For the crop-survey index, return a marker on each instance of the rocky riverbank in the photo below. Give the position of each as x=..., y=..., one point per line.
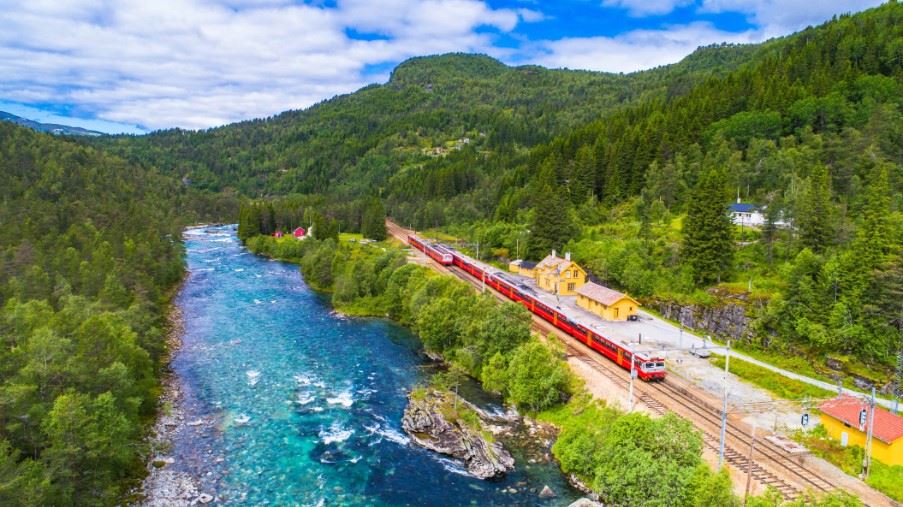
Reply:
x=164, y=487
x=447, y=424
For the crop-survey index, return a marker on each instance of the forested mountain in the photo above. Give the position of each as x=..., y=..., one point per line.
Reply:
x=354, y=143
x=812, y=128
x=809, y=126
x=53, y=128
x=90, y=251
x=632, y=173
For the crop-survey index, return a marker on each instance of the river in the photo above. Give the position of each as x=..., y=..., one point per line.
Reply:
x=287, y=403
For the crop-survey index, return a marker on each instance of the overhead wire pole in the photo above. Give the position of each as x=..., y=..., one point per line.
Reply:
x=632, y=375
x=867, y=459
x=727, y=362
x=749, y=464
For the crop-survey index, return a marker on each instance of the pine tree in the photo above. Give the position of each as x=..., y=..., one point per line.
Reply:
x=550, y=227
x=815, y=214
x=708, y=244
x=873, y=234
x=583, y=176
x=373, y=222
x=770, y=231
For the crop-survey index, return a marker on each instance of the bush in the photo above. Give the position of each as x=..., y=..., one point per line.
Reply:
x=536, y=378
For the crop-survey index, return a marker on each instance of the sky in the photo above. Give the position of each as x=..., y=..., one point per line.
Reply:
x=139, y=65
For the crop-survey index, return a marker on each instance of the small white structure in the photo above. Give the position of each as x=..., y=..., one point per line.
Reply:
x=745, y=214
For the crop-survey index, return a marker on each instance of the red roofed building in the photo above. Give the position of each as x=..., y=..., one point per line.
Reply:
x=841, y=419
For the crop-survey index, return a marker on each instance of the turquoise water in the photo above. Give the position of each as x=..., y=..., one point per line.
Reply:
x=290, y=404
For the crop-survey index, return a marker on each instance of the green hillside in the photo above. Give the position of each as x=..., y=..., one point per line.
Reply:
x=354, y=143
x=632, y=173
x=808, y=126
x=89, y=257
x=812, y=128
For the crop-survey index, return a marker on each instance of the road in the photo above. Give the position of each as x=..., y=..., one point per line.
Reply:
x=670, y=335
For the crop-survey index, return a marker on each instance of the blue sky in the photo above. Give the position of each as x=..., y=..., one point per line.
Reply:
x=135, y=65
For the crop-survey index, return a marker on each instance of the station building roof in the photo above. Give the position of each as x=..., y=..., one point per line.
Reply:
x=601, y=294
x=888, y=427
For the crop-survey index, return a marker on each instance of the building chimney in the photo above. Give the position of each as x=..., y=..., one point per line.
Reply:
x=567, y=256
x=553, y=253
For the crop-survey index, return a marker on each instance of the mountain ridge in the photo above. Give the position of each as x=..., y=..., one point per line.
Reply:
x=52, y=128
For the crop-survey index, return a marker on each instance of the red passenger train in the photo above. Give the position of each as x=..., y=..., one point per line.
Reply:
x=647, y=367
x=436, y=252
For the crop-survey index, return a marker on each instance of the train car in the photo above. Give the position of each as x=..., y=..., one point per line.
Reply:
x=436, y=252
x=442, y=255
x=647, y=367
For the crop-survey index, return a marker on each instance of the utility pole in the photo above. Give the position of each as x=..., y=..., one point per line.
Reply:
x=867, y=460
x=898, y=381
x=727, y=362
x=749, y=464
x=630, y=389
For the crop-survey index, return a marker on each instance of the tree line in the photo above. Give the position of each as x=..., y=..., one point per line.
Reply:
x=90, y=252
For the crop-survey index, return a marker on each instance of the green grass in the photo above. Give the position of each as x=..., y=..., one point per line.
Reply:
x=802, y=362
x=348, y=236
x=887, y=479
x=370, y=306
x=418, y=393
x=580, y=410
x=775, y=383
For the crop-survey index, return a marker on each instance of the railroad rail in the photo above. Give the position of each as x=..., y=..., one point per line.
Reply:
x=669, y=396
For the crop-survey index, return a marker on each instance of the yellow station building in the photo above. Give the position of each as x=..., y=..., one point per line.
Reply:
x=606, y=303
x=523, y=268
x=558, y=275
x=840, y=417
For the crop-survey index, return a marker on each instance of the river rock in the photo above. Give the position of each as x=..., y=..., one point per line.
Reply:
x=425, y=422
x=205, y=498
x=585, y=502
x=546, y=492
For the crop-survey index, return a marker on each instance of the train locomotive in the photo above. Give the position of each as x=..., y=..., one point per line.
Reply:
x=646, y=367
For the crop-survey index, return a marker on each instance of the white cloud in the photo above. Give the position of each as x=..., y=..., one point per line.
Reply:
x=780, y=17
x=639, y=8
x=530, y=15
x=635, y=50
x=200, y=63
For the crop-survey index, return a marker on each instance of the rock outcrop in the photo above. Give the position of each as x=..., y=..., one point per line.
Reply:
x=730, y=316
x=433, y=421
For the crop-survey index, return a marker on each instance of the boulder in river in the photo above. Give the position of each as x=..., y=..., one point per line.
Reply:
x=546, y=492
x=435, y=420
x=585, y=502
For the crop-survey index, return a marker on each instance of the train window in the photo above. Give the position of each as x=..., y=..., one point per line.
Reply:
x=660, y=365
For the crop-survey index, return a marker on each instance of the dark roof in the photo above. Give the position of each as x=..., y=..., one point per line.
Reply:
x=601, y=293
x=888, y=427
x=527, y=264
x=743, y=207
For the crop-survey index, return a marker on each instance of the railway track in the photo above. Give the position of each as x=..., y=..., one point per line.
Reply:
x=770, y=464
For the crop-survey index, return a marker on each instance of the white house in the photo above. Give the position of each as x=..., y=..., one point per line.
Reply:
x=746, y=214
